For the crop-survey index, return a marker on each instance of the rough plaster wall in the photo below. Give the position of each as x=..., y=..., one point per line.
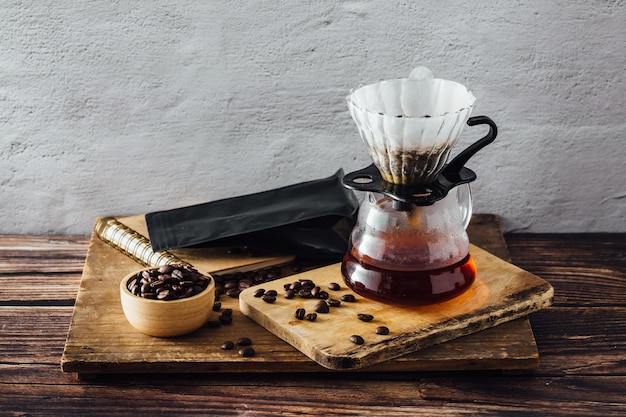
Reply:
x=116, y=108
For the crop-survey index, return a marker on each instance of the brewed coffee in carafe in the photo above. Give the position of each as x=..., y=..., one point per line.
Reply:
x=410, y=245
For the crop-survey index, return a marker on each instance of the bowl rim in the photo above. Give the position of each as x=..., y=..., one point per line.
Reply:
x=124, y=288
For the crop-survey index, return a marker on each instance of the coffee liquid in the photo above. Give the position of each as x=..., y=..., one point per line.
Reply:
x=407, y=288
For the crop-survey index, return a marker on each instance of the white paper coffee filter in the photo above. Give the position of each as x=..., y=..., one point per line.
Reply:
x=410, y=125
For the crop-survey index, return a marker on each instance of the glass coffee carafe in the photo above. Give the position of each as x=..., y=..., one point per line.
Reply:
x=410, y=245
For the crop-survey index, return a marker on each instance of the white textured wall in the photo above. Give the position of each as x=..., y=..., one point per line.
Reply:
x=110, y=108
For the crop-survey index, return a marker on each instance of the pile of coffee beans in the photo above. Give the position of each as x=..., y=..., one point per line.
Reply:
x=168, y=282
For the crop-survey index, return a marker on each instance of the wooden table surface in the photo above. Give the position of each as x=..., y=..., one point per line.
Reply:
x=581, y=341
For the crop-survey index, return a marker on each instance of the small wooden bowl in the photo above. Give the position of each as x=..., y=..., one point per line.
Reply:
x=166, y=318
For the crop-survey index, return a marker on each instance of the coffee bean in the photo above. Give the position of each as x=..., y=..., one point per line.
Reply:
x=311, y=317
x=244, y=341
x=365, y=317
x=271, y=299
x=225, y=319
x=165, y=269
x=163, y=294
x=295, y=286
x=321, y=307
x=227, y=312
x=247, y=352
x=383, y=330
x=300, y=313
x=334, y=286
x=315, y=291
x=333, y=302
x=233, y=293
x=289, y=294
x=349, y=298
x=217, y=306
x=244, y=284
x=228, y=345
x=322, y=295
x=259, y=293
x=271, y=293
x=356, y=339
x=304, y=293
x=307, y=283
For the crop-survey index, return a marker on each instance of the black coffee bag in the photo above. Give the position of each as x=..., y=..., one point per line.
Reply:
x=312, y=219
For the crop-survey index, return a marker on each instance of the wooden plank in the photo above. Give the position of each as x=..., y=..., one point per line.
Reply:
x=42, y=254
x=595, y=264
x=101, y=340
x=502, y=292
x=33, y=335
x=323, y=394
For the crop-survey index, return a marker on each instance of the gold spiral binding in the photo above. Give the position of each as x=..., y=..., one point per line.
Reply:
x=133, y=244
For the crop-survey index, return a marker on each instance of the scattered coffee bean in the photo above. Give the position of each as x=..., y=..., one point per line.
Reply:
x=168, y=282
x=217, y=306
x=289, y=294
x=356, y=339
x=228, y=345
x=383, y=330
x=244, y=341
x=365, y=317
x=323, y=295
x=227, y=312
x=311, y=317
x=349, y=298
x=271, y=293
x=321, y=307
x=315, y=291
x=304, y=293
x=300, y=314
x=233, y=293
x=247, y=352
x=307, y=283
x=231, y=285
x=295, y=286
x=333, y=302
x=333, y=286
x=244, y=284
x=271, y=299
x=225, y=319
x=259, y=293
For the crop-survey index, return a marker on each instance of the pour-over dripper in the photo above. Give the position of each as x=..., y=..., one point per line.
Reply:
x=410, y=124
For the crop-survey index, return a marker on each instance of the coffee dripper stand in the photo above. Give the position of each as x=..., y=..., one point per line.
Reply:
x=398, y=221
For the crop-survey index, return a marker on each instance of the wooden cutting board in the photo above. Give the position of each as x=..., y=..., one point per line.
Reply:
x=502, y=292
x=101, y=341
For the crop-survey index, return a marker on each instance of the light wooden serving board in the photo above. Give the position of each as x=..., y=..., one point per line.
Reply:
x=101, y=341
x=502, y=292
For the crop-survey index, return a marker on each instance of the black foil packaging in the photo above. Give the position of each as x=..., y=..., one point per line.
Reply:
x=311, y=219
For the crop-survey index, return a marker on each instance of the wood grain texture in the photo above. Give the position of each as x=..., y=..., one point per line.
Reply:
x=580, y=338
x=100, y=339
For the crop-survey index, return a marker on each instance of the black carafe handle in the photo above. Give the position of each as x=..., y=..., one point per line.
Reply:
x=453, y=168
